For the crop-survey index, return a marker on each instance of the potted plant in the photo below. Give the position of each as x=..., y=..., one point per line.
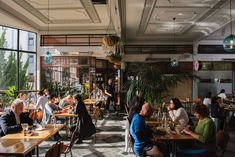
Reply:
x=152, y=84
x=111, y=40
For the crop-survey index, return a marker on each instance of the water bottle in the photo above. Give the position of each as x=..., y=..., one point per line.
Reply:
x=164, y=120
x=159, y=115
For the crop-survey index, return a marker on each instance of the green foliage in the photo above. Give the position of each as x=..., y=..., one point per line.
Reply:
x=2, y=41
x=153, y=84
x=10, y=95
x=8, y=69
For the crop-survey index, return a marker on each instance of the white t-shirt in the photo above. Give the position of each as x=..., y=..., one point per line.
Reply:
x=222, y=95
x=207, y=101
x=180, y=116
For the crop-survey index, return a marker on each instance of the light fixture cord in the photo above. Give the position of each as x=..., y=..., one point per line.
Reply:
x=231, y=22
x=174, y=35
x=48, y=12
x=109, y=26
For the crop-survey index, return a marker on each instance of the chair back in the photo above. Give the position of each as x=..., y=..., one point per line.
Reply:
x=55, y=150
x=39, y=116
x=126, y=109
x=73, y=137
x=96, y=114
x=222, y=138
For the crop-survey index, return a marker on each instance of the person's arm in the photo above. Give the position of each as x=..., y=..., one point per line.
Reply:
x=107, y=93
x=208, y=129
x=7, y=128
x=24, y=118
x=39, y=102
x=175, y=115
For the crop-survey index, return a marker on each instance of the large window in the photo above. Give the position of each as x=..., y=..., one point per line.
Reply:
x=17, y=59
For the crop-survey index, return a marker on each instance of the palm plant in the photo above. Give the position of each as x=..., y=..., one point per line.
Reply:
x=153, y=84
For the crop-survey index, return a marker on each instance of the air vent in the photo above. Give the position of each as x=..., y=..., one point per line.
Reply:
x=99, y=1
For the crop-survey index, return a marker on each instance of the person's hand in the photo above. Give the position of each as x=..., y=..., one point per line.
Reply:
x=64, y=110
x=187, y=131
x=168, y=108
x=163, y=104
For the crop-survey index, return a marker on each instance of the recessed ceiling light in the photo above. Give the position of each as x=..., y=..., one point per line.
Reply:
x=180, y=14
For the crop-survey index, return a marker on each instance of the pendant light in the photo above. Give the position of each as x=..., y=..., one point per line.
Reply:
x=174, y=62
x=47, y=53
x=229, y=41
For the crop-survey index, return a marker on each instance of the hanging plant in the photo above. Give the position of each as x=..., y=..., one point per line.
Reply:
x=115, y=58
x=111, y=40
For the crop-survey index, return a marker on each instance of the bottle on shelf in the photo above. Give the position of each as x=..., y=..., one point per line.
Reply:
x=159, y=115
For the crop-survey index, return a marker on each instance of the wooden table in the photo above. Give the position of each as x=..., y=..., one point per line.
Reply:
x=231, y=108
x=19, y=145
x=68, y=119
x=153, y=122
x=89, y=102
x=173, y=138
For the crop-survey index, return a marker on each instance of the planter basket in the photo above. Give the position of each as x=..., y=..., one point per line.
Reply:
x=110, y=40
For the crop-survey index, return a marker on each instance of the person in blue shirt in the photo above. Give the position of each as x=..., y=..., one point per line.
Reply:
x=141, y=134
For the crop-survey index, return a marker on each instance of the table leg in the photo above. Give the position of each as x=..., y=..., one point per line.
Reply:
x=37, y=151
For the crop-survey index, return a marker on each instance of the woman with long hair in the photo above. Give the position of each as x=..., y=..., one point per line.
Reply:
x=84, y=122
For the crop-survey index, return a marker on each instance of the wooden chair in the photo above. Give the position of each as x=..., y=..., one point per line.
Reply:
x=95, y=116
x=126, y=109
x=68, y=148
x=55, y=150
x=39, y=116
x=222, y=138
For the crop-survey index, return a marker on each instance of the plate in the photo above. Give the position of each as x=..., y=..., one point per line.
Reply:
x=40, y=129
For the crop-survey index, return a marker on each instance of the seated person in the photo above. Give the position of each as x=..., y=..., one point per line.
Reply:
x=23, y=97
x=100, y=96
x=205, y=130
x=66, y=102
x=50, y=108
x=207, y=99
x=222, y=95
x=10, y=121
x=178, y=114
x=141, y=134
x=135, y=106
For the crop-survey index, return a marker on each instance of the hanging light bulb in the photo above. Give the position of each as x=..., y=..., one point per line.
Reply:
x=47, y=53
x=229, y=41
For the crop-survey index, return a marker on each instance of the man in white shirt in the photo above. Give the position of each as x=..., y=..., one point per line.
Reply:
x=42, y=100
x=222, y=95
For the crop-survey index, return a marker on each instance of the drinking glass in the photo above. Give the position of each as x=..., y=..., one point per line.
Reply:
x=25, y=127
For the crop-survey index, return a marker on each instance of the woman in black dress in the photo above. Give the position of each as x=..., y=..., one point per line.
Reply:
x=85, y=127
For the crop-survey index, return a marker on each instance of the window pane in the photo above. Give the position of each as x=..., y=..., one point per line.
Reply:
x=27, y=41
x=8, y=38
x=7, y=69
x=27, y=71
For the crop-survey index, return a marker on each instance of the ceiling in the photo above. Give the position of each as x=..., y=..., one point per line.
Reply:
x=139, y=21
x=151, y=21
